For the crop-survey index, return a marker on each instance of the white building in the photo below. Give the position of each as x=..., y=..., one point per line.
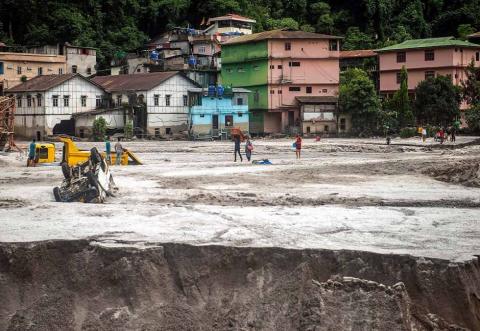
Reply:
x=45, y=104
x=159, y=100
x=229, y=24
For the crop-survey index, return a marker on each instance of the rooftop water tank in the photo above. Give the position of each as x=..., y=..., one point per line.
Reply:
x=211, y=90
x=220, y=90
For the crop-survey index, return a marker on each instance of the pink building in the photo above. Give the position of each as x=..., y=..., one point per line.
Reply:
x=424, y=58
x=294, y=78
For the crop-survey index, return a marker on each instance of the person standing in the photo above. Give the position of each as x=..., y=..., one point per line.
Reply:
x=424, y=134
x=108, y=150
x=452, y=134
x=236, y=139
x=118, y=151
x=32, y=151
x=298, y=146
x=248, y=149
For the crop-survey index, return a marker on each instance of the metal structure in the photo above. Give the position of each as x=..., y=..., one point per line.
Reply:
x=7, y=123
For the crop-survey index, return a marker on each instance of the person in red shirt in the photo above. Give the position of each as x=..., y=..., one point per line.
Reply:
x=298, y=146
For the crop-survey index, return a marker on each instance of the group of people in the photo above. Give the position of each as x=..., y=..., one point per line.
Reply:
x=118, y=151
x=441, y=135
x=297, y=145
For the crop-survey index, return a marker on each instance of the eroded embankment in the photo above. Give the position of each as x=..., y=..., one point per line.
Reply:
x=73, y=285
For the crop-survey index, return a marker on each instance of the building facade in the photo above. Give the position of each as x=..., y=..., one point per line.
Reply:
x=157, y=102
x=424, y=58
x=16, y=68
x=278, y=67
x=46, y=104
x=214, y=115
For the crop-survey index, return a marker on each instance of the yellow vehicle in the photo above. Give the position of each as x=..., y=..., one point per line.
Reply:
x=74, y=156
x=45, y=153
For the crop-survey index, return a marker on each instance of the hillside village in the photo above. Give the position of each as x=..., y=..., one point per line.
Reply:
x=273, y=82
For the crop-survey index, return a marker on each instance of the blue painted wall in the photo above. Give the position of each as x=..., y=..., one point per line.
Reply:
x=226, y=105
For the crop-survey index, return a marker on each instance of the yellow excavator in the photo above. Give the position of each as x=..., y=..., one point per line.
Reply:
x=71, y=155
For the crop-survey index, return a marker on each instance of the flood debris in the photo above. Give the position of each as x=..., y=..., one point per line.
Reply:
x=90, y=182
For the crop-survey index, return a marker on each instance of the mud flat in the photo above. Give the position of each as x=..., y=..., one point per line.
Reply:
x=355, y=236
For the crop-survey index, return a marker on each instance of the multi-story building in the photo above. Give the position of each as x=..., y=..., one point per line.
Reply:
x=228, y=26
x=46, y=103
x=280, y=66
x=158, y=100
x=16, y=68
x=80, y=60
x=214, y=114
x=424, y=58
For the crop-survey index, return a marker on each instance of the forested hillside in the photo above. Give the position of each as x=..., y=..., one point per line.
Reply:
x=114, y=25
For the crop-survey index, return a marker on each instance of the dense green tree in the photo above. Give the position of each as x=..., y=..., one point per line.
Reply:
x=472, y=115
x=470, y=87
x=437, y=101
x=464, y=30
x=401, y=103
x=355, y=39
x=357, y=96
x=282, y=23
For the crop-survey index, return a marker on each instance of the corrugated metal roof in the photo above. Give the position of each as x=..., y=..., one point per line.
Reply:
x=429, y=43
x=41, y=83
x=474, y=35
x=278, y=34
x=233, y=17
x=133, y=82
x=357, y=53
x=317, y=99
x=205, y=90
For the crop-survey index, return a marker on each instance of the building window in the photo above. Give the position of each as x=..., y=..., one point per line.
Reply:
x=326, y=128
x=202, y=49
x=401, y=57
x=478, y=56
x=83, y=101
x=343, y=124
x=239, y=101
x=324, y=90
x=279, y=66
x=19, y=70
x=66, y=100
x=240, y=114
x=89, y=71
x=429, y=74
x=19, y=102
x=55, y=100
x=429, y=55
x=294, y=64
x=399, y=77
x=119, y=100
x=40, y=71
x=272, y=91
x=309, y=89
x=288, y=46
x=157, y=132
x=98, y=101
x=60, y=71
x=1, y=68
x=39, y=100
x=294, y=89
x=228, y=120
x=156, y=99
x=272, y=66
x=74, y=69
x=185, y=100
x=333, y=45
x=256, y=97
x=29, y=101
x=279, y=92
x=167, y=100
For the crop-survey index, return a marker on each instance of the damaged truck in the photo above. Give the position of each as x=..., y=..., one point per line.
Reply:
x=89, y=182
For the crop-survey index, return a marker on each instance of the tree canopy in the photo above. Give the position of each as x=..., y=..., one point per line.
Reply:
x=124, y=25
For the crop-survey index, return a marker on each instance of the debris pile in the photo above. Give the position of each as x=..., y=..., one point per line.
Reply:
x=465, y=172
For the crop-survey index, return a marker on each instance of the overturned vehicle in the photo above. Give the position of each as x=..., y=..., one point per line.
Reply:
x=89, y=182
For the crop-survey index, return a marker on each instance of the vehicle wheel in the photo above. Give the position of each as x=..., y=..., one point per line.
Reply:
x=66, y=171
x=90, y=195
x=56, y=194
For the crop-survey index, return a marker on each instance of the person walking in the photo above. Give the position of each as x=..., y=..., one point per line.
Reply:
x=119, y=152
x=248, y=149
x=298, y=146
x=32, y=151
x=424, y=134
x=236, y=139
x=452, y=134
x=108, y=150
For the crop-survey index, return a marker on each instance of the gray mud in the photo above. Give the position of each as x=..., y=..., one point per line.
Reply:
x=74, y=285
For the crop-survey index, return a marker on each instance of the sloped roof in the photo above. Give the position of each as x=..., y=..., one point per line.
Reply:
x=474, y=35
x=42, y=83
x=278, y=34
x=133, y=82
x=429, y=43
x=233, y=17
x=357, y=53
